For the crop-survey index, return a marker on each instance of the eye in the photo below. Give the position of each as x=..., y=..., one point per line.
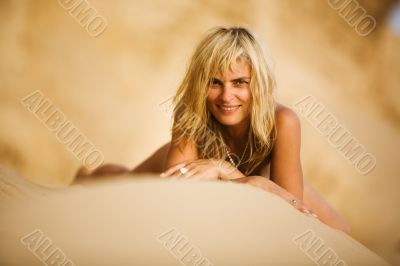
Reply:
x=239, y=83
x=216, y=82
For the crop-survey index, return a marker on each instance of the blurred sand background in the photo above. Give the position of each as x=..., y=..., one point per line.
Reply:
x=111, y=86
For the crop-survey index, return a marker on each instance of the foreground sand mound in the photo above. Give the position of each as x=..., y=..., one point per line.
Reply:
x=152, y=221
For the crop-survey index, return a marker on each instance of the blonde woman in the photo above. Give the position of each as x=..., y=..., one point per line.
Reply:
x=227, y=126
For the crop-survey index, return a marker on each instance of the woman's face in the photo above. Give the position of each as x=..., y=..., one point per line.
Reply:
x=229, y=95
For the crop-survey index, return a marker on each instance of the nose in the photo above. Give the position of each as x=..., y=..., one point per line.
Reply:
x=226, y=94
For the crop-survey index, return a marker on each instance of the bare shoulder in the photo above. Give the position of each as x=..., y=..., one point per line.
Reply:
x=288, y=135
x=286, y=118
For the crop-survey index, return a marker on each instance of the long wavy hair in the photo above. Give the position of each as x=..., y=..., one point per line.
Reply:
x=217, y=52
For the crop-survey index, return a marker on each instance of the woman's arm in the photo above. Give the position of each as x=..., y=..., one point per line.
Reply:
x=178, y=154
x=153, y=164
x=285, y=169
x=323, y=209
x=84, y=173
x=267, y=185
x=313, y=202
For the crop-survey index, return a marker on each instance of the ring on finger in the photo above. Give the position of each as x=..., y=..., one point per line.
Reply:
x=183, y=170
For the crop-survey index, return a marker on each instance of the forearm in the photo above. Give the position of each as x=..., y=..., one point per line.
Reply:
x=267, y=185
x=107, y=169
x=323, y=209
x=228, y=171
x=312, y=201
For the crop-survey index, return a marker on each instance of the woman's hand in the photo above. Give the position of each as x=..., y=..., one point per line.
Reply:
x=203, y=169
x=268, y=185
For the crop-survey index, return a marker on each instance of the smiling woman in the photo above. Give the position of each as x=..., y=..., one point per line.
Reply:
x=228, y=87
x=228, y=126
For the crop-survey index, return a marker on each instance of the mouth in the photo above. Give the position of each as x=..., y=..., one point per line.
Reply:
x=228, y=109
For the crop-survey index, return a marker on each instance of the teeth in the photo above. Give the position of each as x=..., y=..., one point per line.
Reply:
x=229, y=108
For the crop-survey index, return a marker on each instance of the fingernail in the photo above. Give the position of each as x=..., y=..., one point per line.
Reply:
x=162, y=174
x=313, y=214
x=306, y=211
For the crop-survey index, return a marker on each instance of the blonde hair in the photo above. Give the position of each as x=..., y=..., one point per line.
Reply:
x=218, y=51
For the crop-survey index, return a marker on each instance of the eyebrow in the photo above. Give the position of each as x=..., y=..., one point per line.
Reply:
x=236, y=79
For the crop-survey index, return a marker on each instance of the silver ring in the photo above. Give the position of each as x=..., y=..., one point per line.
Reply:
x=294, y=202
x=183, y=170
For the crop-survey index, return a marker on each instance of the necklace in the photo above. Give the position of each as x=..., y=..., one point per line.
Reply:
x=230, y=157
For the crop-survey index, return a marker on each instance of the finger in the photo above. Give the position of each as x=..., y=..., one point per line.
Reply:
x=178, y=175
x=300, y=206
x=310, y=213
x=197, y=176
x=192, y=170
x=192, y=174
x=204, y=175
x=173, y=169
x=175, y=175
x=176, y=169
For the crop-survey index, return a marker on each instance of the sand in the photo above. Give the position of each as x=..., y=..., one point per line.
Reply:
x=144, y=220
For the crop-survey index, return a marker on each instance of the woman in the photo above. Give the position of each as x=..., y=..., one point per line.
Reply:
x=227, y=126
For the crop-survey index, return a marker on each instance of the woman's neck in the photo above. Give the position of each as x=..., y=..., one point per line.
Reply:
x=236, y=135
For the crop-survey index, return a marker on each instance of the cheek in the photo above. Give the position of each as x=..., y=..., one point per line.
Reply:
x=245, y=97
x=212, y=96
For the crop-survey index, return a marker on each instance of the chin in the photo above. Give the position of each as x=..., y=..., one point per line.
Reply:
x=229, y=121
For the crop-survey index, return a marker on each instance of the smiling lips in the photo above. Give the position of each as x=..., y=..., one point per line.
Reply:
x=228, y=109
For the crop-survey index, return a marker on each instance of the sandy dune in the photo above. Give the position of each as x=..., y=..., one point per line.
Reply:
x=144, y=220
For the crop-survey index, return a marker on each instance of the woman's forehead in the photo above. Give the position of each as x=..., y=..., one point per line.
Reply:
x=240, y=68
